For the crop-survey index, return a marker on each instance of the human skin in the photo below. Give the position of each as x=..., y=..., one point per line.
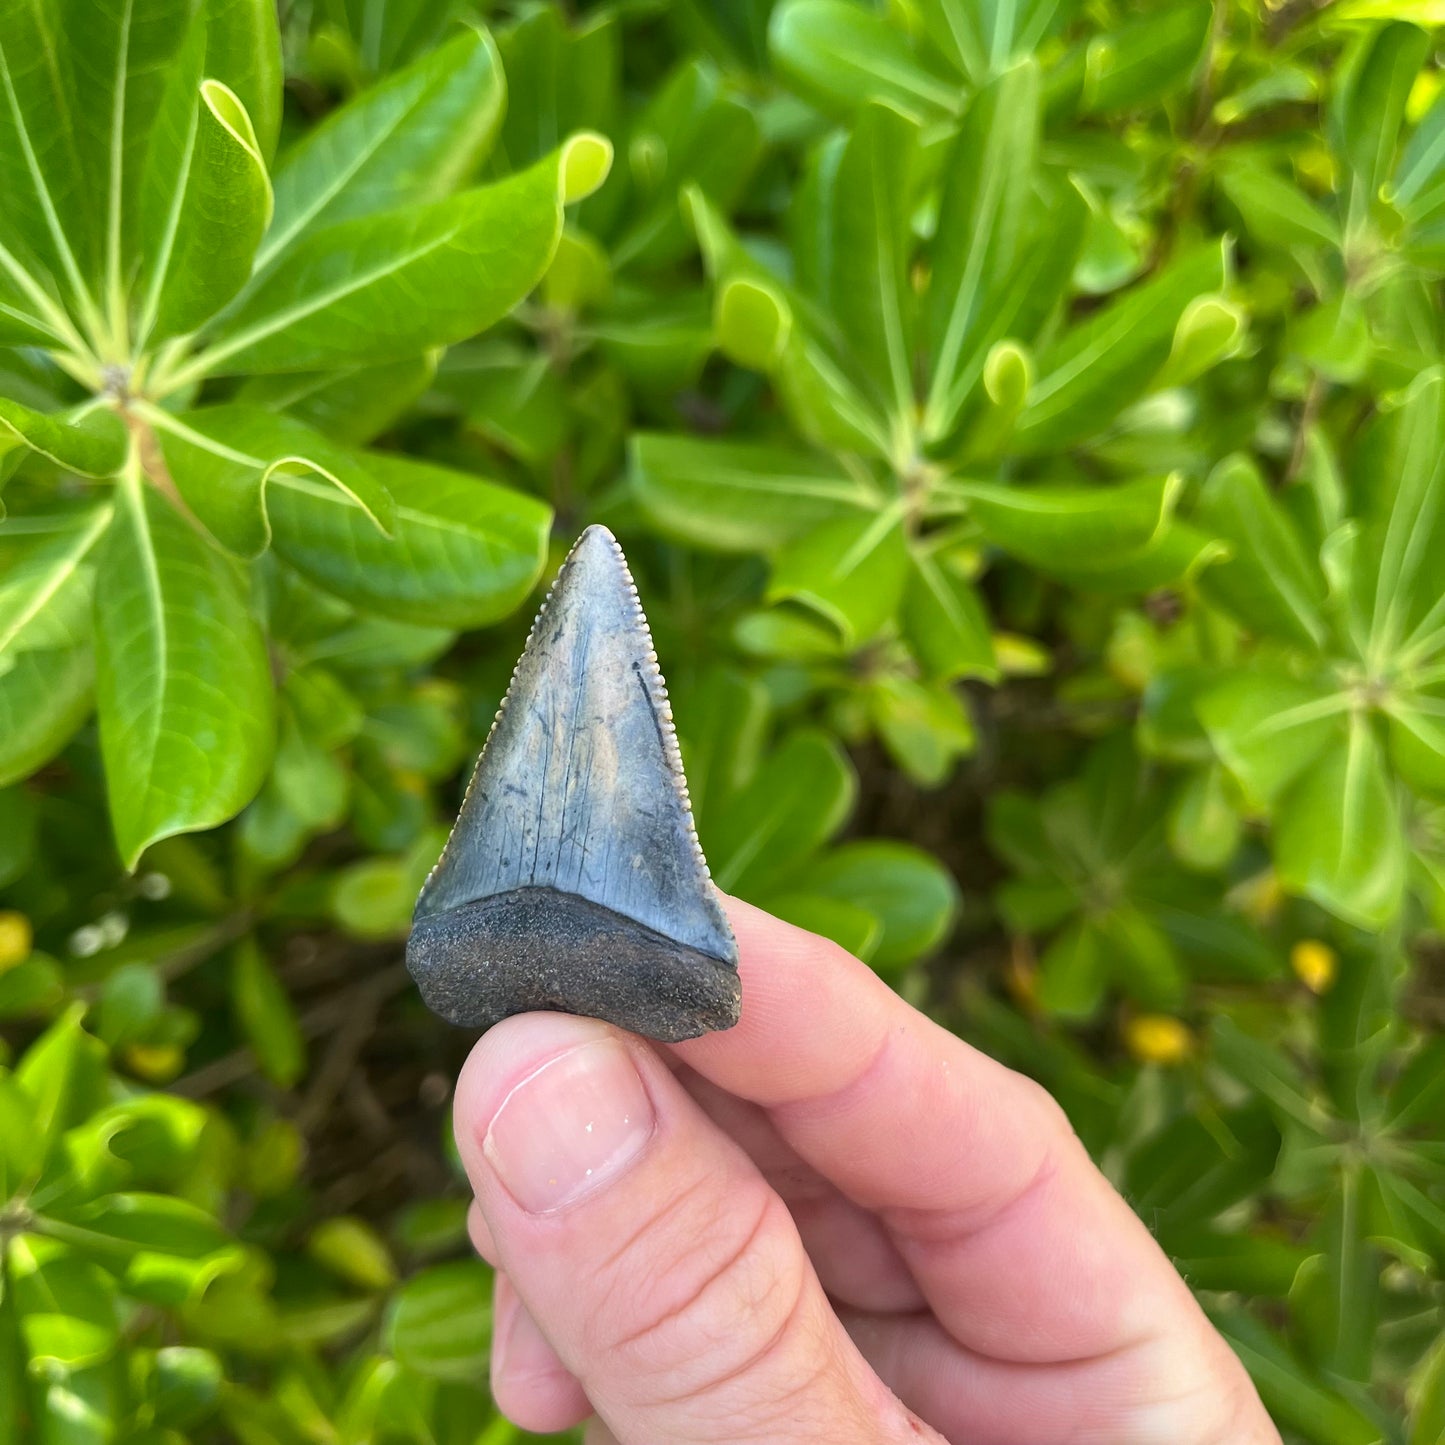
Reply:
x=835, y=1222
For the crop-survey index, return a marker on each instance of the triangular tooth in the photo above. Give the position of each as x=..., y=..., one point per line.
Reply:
x=579, y=793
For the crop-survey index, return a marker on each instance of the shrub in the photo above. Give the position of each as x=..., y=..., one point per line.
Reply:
x=1027, y=427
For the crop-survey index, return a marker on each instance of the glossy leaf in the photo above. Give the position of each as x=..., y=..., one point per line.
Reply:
x=408, y=140
x=794, y=804
x=183, y=684
x=380, y=287
x=987, y=185
x=208, y=200
x=1051, y=525
x=1144, y=58
x=1267, y=581
x=1338, y=838
x=462, y=552
x=1105, y=361
x=740, y=496
x=911, y=896
x=1270, y=728
x=440, y=1322
x=266, y=1016
x=983, y=37
x=93, y=445
x=851, y=570
x=945, y=621
x=226, y=461
x=859, y=195
x=840, y=54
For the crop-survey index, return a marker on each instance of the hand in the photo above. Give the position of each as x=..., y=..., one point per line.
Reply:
x=834, y=1222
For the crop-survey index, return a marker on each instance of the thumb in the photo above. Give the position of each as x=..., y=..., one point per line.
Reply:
x=666, y=1274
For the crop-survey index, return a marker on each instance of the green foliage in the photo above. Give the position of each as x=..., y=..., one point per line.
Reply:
x=1026, y=424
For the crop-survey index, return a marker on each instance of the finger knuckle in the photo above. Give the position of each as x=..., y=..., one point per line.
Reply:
x=709, y=1294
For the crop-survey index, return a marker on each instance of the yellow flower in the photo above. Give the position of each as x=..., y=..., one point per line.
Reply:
x=15, y=939
x=156, y=1063
x=1158, y=1039
x=1315, y=964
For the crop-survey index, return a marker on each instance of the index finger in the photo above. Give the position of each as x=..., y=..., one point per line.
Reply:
x=1020, y=1245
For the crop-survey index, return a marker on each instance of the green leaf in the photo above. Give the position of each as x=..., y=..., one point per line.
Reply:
x=1290, y=1391
x=63, y=1072
x=1074, y=972
x=795, y=803
x=848, y=924
x=440, y=1322
x=463, y=553
x=1337, y=833
x=46, y=575
x=1275, y=211
x=693, y=136
x=227, y=462
x=850, y=570
x=17, y=834
x=1142, y=957
x=382, y=287
x=20, y=1154
x=1418, y=190
x=982, y=37
x=1400, y=483
x=130, y=1224
x=132, y=1000
x=909, y=892
x=720, y=722
x=69, y=1313
x=1056, y=525
x=45, y=695
x=945, y=621
x=1268, y=580
x=1191, y=1171
x=1337, y=1296
x=268, y=1022
x=987, y=183
x=925, y=726
x=50, y=214
x=208, y=201
x=740, y=496
x=854, y=248
x=1426, y=1394
x=1103, y=363
x=1143, y=59
x=350, y=406
x=183, y=682
x=1268, y=728
x=243, y=50
x=1204, y=824
x=840, y=54
x=753, y=323
x=354, y=1251
x=409, y=140
x=94, y=445
x=1369, y=104
x=185, y=1386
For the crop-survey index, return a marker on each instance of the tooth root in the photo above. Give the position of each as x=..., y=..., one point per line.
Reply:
x=573, y=878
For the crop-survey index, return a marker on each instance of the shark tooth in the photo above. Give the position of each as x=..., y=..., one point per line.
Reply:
x=573, y=878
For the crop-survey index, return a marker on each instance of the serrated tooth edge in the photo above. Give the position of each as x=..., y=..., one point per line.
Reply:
x=670, y=747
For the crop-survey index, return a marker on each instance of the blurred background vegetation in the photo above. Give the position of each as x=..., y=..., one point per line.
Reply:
x=1026, y=424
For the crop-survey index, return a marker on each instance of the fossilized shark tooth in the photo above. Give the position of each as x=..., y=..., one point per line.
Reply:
x=573, y=878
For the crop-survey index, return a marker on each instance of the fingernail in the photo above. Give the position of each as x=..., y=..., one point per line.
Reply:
x=568, y=1128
